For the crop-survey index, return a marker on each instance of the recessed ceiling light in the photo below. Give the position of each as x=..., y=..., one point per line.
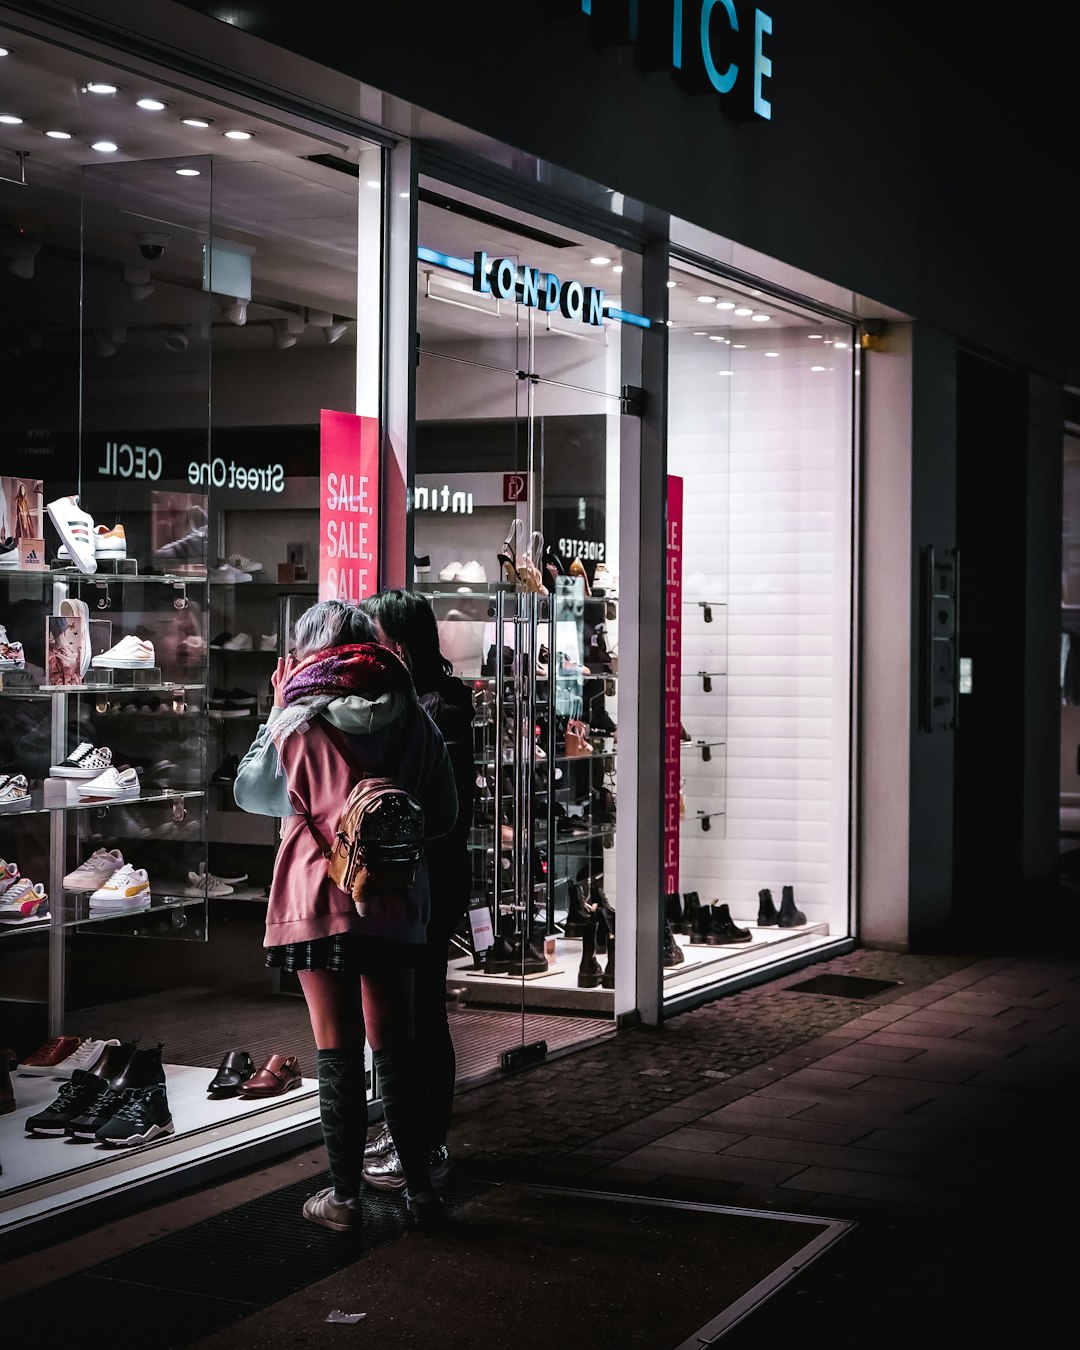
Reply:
x=189, y=173
x=5, y=51
x=671, y=323
x=716, y=337
x=59, y=135
x=101, y=87
x=723, y=372
x=815, y=337
x=706, y=299
x=201, y=122
x=403, y=194
x=738, y=346
x=672, y=284
x=104, y=147
x=840, y=346
x=600, y=260
x=151, y=104
x=772, y=353
x=10, y=120
x=700, y=332
x=725, y=304
x=617, y=267
x=817, y=367
x=743, y=311
x=238, y=135
x=761, y=318
x=372, y=183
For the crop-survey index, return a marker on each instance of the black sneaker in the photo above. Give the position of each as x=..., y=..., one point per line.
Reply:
x=101, y=1107
x=143, y=1115
x=220, y=640
x=70, y=1102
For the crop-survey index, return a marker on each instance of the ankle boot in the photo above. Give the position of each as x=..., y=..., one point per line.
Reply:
x=789, y=916
x=767, y=916
x=578, y=915
x=702, y=926
x=528, y=956
x=589, y=973
x=608, y=982
x=497, y=960
x=605, y=929
x=724, y=931
x=691, y=909
x=673, y=953
x=673, y=911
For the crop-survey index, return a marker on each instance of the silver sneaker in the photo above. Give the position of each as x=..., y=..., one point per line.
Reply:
x=323, y=1209
x=387, y=1174
x=380, y=1145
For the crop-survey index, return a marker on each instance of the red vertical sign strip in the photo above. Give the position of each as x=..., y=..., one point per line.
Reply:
x=348, y=505
x=673, y=684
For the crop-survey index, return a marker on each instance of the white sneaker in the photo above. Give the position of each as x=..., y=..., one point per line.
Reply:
x=240, y=643
x=87, y=1055
x=110, y=542
x=130, y=653
x=9, y=552
x=127, y=888
x=451, y=572
x=113, y=782
x=76, y=528
x=229, y=881
x=206, y=884
x=228, y=573
x=243, y=564
x=79, y=609
x=23, y=902
x=85, y=761
x=95, y=871
x=11, y=653
x=9, y=875
x=268, y=642
x=472, y=572
x=13, y=788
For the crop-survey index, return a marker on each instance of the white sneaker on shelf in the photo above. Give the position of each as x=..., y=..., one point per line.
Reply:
x=76, y=528
x=79, y=609
x=206, y=884
x=229, y=881
x=130, y=653
x=23, y=902
x=243, y=564
x=451, y=572
x=240, y=643
x=95, y=871
x=127, y=888
x=472, y=572
x=9, y=875
x=268, y=642
x=87, y=1055
x=12, y=656
x=110, y=542
x=113, y=782
x=9, y=552
x=13, y=788
x=85, y=761
x=227, y=573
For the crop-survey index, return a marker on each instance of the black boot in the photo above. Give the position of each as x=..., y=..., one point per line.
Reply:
x=589, y=973
x=789, y=916
x=608, y=982
x=691, y=909
x=673, y=953
x=499, y=954
x=724, y=931
x=673, y=911
x=702, y=926
x=528, y=956
x=767, y=916
x=579, y=915
x=605, y=929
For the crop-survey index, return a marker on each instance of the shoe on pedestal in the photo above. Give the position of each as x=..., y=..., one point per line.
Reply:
x=527, y=956
x=724, y=931
x=579, y=914
x=789, y=916
x=767, y=916
x=589, y=973
x=499, y=954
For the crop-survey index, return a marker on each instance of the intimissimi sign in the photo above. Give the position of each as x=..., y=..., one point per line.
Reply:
x=717, y=46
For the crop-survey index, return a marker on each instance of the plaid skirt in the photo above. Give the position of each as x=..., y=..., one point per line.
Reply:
x=345, y=954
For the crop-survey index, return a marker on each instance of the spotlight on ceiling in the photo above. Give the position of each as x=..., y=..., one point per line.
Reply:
x=334, y=331
x=236, y=313
x=287, y=331
x=137, y=280
x=177, y=340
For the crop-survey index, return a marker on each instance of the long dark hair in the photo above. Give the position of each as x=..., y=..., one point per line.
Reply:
x=409, y=620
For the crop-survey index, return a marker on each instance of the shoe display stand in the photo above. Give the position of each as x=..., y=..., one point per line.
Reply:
x=703, y=965
x=703, y=697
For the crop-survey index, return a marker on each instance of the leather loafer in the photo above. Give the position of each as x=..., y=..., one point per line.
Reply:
x=279, y=1074
x=236, y=1068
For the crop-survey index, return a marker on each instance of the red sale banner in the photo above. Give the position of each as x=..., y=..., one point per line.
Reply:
x=673, y=684
x=348, y=505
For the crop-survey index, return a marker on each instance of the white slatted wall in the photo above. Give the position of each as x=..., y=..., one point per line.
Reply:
x=767, y=462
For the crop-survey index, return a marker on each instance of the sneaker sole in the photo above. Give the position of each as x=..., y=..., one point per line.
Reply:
x=394, y=1183
x=133, y=1140
x=49, y=1130
x=99, y=663
x=333, y=1226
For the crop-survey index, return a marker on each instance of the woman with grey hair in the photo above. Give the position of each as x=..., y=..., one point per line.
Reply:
x=345, y=708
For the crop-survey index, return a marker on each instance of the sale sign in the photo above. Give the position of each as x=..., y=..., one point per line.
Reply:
x=348, y=505
x=673, y=684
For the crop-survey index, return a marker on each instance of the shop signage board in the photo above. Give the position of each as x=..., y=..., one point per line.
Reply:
x=348, y=505
x=673, y=683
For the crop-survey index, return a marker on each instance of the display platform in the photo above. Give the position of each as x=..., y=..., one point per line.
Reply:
x=705, y=965
x=45, y=1177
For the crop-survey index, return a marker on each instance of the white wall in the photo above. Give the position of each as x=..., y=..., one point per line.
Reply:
x=766, y=455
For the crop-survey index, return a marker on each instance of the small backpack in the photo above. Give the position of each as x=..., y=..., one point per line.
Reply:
x=378, y=843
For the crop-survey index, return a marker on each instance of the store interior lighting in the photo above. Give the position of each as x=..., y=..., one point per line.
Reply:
x=333, y=331
x=137, y=280
x=236, y=313
x=177, y=340
x=287, y=331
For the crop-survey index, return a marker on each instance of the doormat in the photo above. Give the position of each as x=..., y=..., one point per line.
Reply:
x=844, y=986
x=531, y=1267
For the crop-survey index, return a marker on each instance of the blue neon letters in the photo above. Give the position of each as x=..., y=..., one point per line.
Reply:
x=528, y=286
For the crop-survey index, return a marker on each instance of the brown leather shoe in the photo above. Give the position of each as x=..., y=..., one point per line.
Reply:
x=279, y=1074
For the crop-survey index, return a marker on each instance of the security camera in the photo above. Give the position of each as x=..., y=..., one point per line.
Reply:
x=152, y=246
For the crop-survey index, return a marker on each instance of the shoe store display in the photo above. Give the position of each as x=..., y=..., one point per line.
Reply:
x=113, y=782
x=589, y=973
x=240, y=643
x=127, y=888
x=278, y=1074
x=673, y=909
x=14, y=788
x=191, y=546
x=723, y=931
x=85, y=761
x=143, y=1115
x=110, y=541
x=86, y=1056
x=232, y=703
x=673, y=953
x=226, y=574
x=501, y=952
x=81, y=1091
x=9, y=875
x=12, y=656
x=608, y=980
x=76, y=530
x=243, y=564
x=219, y=642
x=340, y=1216
x=527, y=956
x=208, y=886
x=130, y=653
x=235, y=1069
x=25, y=902
x=268, y=642
x=143, y=1069
x=789, y=916
x=767, y=916
x=46, y=1059
x=691, y=907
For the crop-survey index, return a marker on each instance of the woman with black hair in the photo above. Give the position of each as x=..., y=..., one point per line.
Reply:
x=405, y=622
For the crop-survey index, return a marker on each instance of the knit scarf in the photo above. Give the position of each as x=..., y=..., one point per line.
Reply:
x=365, y=669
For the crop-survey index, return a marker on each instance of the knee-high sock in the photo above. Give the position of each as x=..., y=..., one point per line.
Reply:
x=403, y=1089
x=343, y=1108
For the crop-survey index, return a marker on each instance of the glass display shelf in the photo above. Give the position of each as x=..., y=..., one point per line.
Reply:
x=263, y=587
x=41, y=691
x=106, y=578
x=74, y=911
x=65, y=797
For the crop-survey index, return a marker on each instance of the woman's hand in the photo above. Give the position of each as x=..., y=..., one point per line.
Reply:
x=280, y=678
